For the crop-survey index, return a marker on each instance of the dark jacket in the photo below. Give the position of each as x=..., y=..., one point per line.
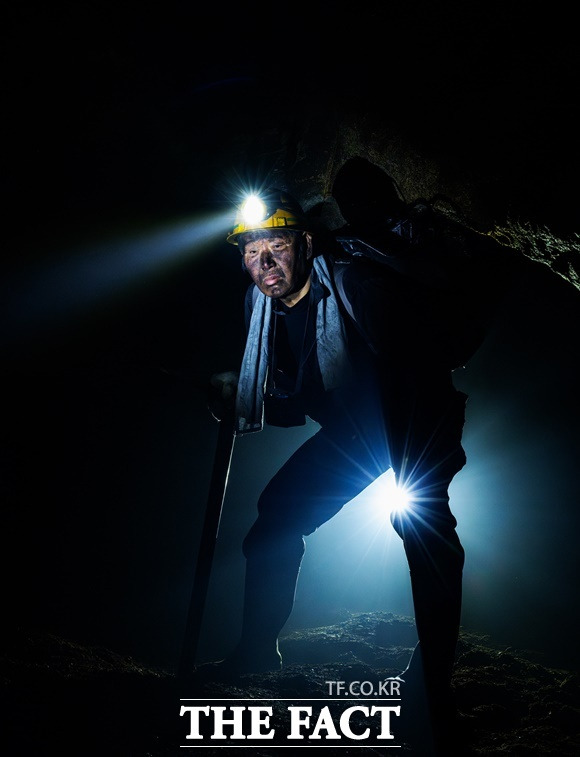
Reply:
x=391, y=344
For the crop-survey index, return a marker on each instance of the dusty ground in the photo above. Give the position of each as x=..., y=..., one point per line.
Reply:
x=61, y=697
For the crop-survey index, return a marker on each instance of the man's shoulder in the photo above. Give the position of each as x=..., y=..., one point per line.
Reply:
x=353, y=271
x=249, y=301
x=250, y=297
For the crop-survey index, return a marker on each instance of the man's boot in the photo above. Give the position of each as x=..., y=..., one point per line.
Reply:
x=269, y=591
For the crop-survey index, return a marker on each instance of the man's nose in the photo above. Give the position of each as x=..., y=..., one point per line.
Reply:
x=266, y=258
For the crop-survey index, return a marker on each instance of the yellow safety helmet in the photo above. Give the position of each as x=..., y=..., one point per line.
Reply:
x=272, y=209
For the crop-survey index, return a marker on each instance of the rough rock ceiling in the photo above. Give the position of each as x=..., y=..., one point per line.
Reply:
x=473, y=102
x=477, y=102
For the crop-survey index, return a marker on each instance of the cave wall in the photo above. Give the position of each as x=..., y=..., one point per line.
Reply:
x=475, y=103
x=112, y=115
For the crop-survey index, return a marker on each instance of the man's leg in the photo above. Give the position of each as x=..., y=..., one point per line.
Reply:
x=435, y=558
x=325, y=473
x=433, y=551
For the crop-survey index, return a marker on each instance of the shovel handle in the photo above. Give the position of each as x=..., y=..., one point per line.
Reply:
x=215, y=500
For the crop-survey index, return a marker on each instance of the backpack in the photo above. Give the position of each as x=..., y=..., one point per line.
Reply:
x=449, y=270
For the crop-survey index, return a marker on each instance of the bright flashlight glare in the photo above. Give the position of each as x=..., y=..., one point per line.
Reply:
x=387, y=497
x=399, y=499
x=253, y=209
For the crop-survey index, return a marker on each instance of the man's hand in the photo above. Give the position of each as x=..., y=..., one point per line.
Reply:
x=222, y=393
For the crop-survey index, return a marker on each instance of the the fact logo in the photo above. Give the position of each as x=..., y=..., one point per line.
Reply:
x=250, y=722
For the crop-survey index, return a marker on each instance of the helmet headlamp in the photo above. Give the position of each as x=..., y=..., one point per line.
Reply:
x=253, y=210
x=272, y=210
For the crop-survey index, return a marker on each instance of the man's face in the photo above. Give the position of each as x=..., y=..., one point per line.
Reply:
x=275, y=265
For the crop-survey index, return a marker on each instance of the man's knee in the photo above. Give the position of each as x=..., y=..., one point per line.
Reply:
x=275, y=540
x=429, y=535
x=432, y=515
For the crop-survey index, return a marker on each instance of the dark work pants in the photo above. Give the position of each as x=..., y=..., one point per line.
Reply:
x=329, y=470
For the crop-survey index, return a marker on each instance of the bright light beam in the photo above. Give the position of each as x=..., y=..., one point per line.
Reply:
x=94, y=274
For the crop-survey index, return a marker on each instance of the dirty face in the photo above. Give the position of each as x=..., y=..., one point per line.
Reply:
x=278, y=263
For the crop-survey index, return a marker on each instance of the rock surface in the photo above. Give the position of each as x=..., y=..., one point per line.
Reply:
x=62, y=697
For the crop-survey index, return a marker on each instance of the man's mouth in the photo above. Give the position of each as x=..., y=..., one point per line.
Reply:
x=272, y=279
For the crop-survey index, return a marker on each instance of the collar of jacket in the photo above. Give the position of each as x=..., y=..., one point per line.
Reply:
x=331, y=348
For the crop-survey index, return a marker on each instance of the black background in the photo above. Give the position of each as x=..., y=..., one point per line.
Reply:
x=120, y=124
